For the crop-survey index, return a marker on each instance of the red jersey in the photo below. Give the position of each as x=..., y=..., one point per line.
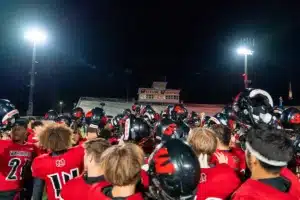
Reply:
x=13, y=158
x=219, y=182
x=253, y=189
x=295, y=184
x=76, y=188
x=56, y=171
x=236, y=158
x=31, y=136
x=103, y=191
x=81, y=141
x=145, y=179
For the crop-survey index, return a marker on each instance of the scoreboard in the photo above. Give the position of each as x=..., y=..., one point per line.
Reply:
x=158, y=94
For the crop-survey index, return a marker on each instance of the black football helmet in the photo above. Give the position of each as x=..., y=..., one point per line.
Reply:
x=218, y=118
x=8, y=114
x=149, y=114
x=167, y=129
x=290, y=118
x=63, y=119
x=136, y=108
x=126, y=112
x=178, y=112
x=51, y=115
x=253, y=106
x=135, y=129
x=117, y=121
x=96, y=117
x=174, y=171
x=229, y=112
x=194, y=119
x=77, y=114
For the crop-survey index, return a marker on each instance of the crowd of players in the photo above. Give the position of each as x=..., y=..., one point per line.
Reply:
x=248, y=151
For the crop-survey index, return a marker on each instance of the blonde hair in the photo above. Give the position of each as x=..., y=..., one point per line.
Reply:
x=56, y=137
x=122, y=164
x=202, y=141
x=96, y=147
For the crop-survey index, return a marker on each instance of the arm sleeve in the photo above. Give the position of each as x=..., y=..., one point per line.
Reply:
x=38, y=189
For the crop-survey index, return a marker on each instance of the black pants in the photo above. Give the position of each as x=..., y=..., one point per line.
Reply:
x=9, y=195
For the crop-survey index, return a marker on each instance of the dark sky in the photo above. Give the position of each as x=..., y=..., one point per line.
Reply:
x=192, y=43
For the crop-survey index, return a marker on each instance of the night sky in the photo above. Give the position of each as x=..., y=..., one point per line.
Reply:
x=92, y=44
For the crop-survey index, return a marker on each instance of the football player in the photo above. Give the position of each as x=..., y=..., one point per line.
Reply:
x=122, y=167
x=204, y=142
x=174, y=171
x=15, y=155
x=36, y=128
x=78, y=187
x=268, y=150
x=55, y=169
x=236, y=156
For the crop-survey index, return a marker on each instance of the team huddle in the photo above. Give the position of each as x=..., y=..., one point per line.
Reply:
x=248, y=151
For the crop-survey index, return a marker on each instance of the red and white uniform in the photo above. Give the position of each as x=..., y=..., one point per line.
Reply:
x=56, y=171
x=218, y=182
x=236, y=159
x=13, y=158
x=256, y=190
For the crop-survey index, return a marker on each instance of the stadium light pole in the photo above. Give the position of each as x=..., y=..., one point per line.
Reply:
x=245, y=51
x=61, y=104
x=35, y=36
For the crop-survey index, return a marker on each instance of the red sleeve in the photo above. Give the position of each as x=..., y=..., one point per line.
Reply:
x=31, y=139
x=295, y=186
x=82, y=141
x=242, y=197
x=241, y=155
x=36, y=168
x=213, y=160
x=145, y=179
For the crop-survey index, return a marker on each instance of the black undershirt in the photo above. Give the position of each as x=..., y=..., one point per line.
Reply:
x=279, y=183
x=107, y=191
x=92, y=180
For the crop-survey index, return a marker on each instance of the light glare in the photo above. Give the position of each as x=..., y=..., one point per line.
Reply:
x=244, y=51
x=35, y=36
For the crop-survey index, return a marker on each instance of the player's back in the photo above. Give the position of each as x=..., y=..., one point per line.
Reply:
x=219, y=181
x=13, y=158
x=234, y=159
x=57, y=170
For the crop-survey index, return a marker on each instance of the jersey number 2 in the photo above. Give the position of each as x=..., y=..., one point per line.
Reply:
x=14, y=163
x=57, y=183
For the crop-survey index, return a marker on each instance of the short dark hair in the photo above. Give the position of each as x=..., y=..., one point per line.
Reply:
x=223, y=133
x=36, y=123
x=21, y=122
x=271, y=143
x=105, y=133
